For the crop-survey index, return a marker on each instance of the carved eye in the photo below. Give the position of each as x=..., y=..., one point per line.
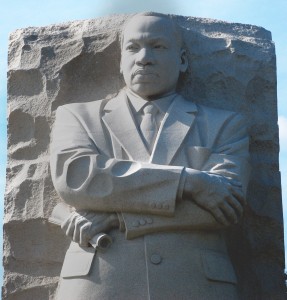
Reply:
x=132, y=47
x=159, y=46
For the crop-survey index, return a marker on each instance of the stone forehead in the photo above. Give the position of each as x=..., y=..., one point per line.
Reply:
x=148, y=21
x=166, y=21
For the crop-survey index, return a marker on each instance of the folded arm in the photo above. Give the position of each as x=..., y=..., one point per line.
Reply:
x=90, y=180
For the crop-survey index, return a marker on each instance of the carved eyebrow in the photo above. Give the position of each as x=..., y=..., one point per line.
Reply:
x=160, y=40
x=134, y=41
x=150, y=40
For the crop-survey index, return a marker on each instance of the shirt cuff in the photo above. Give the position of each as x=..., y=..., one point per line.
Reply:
x=181, y=185
x=122, y=222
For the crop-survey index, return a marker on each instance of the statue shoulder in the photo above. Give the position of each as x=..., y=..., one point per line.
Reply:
x=82, y=107
x=218, y=114
x=85, y=109
x=208, y=114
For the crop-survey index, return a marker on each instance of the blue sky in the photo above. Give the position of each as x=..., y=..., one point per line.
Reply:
x=271, y=15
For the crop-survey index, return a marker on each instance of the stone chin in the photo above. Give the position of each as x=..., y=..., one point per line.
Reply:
x=149, y=89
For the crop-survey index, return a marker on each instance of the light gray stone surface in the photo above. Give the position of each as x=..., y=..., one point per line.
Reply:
x=232, y=66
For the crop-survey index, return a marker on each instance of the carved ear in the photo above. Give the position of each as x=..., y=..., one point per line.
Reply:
x=121, y=64
x=184, y=61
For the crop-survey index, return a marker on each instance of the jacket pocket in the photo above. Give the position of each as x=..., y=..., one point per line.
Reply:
x=78, y=261
x=198, y=156
x=217, y=266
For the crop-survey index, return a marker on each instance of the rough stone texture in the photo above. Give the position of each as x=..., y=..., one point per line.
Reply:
x=232, y=66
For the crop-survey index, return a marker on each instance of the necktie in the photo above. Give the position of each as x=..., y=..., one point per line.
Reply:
x=148, y=125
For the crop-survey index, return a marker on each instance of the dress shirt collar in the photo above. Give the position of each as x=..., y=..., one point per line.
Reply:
x=138, y=103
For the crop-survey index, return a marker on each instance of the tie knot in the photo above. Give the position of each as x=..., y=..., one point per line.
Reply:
x=150, y=109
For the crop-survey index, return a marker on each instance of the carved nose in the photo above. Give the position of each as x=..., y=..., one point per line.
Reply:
x=144, y=57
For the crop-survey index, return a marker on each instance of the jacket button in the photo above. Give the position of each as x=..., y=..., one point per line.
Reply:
x=149, y=220
x=156, y=259
x=135, y=224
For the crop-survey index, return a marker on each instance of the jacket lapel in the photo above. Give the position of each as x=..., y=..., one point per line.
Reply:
x=175, y=126
x=119, y=120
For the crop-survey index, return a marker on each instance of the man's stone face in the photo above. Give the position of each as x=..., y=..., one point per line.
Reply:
x=151, y=57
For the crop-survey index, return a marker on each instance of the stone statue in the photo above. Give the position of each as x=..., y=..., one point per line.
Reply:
x=160, y=175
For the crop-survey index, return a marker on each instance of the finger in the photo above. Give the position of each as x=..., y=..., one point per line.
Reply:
x=97, y=217
x=79, y=223
x=113, y=221
x=71, y=225
x=65, y=224
x=83, y=213
x=98, y=228
x=229, y=212
x=84, y=235
x=234, y=203
x=219, y=216
x=106, y=223
x=238, y=194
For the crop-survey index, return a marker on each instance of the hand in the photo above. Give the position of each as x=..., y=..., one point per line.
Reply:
x=224, y=201
x=83, y=225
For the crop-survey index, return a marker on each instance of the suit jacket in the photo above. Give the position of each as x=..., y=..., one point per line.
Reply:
x=171, y=249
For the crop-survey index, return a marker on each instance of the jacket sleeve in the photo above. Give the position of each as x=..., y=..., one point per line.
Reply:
x=229, y=158
x=188, y=217
x=85, y=178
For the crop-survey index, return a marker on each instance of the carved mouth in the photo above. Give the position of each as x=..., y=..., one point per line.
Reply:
x=143, y=72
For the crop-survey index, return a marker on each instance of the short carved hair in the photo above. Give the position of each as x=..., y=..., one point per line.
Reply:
x=177, y=30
